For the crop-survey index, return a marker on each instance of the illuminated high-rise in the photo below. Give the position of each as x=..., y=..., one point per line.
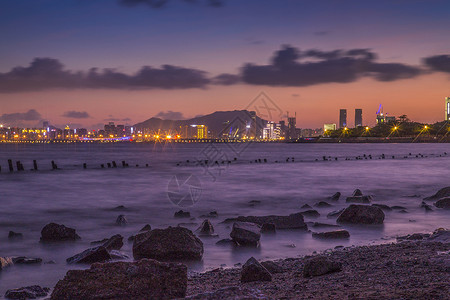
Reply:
x=358, y=117
x=342, y=118
x=447, y=108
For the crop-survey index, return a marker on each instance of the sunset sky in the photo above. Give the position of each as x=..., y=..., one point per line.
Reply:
x=87, y=62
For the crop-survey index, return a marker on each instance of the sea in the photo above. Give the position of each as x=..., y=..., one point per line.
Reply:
x=233, y=179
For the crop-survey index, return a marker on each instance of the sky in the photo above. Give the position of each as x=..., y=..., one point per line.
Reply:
x=86, y=62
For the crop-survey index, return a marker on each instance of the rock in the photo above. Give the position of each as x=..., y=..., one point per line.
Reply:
x=357, y=193
x=182, y=214
x=310, y=213
x=99, y=242
x=147, y=227
x=252, y=270
x=442, y=193
x=206, y=228
x=231, y=292
x=121, y=220
x=116, y=254
x=320, y=225
x=90, y=256
x=415, y=236
x=383, y=207
x=306, y=206
x=143, y=279
x=28, y=292
x=443, y=203
x=15, y=235
x=225, y=242
x=167, y=244
x=322, y=204
x=426, y=206
x=246, y=233
x=114, y=243
x=5, y=262
x=268, y=228
x=440, y=235
x=293, y=221
x=212, y=214
x=120, y=208
x=361, y=214
x=22, y=260
x=336, y=234
x=335, y=213
x=398, y=207
x=272, y=267
x=320, y=265
x=359, y=199
x=54, y=232
x=335, y=197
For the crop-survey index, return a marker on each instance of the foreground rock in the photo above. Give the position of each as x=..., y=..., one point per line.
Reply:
x=231, y=292
x=167, y=244
x=182, y=214
x=443, y=203
x=442, y=193
x=144, y=279
x=320, y=265
x=5, y=262
x=28, y=292
x=246, y=233
x=361, y=214
x=335, y=234
x=293, y=221
x=114, y=243
x=90, y=256
x=55, y=232
x=252, y=270
x=146, y=228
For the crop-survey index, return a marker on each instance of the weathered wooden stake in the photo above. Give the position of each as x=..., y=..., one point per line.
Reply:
x=35, y=165
x=10, y=164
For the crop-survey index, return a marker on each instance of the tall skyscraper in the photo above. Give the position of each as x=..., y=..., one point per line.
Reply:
x=358, y=117
x=292, y=125
x=447, y=108
x=342, y=118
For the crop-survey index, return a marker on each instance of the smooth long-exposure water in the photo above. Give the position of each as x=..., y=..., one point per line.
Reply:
x=85, y=199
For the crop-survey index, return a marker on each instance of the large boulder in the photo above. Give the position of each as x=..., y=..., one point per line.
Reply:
x=293, y=221
x=336, y=234
x=167, y=244
x=443, y=203
x=90, y=256
x=5, y=262
x=252, y=270
x=114, y=243
x=55, y=232
x=336, y=196
x=143, y=279
x=246, y=233
x=28, y=292
x=361, y=214
x=442, y=193
x=320, y=265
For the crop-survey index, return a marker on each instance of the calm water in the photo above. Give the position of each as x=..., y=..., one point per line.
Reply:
x=84, y=199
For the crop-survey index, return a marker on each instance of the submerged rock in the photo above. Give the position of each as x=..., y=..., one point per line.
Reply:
x=246, y=233
x=443, y=203
x=442, y=193
x=358, y=197
x=143, y=229
x=361, y=214
x=54, y=232
x=320, y=265
x=335, y=197
x=225, y=242
x=167, y=244
x=114, y=243
x=182, y=214
x=272, y=267
x=90, y=256
x=322, y=204
x=357, y=193
x=121, y=220
x=440, y=235
x=383, y=207
x=252, y=270
x=268, y=228
x=206, y=228
x=23, y=260
x=143, y=279
x=336, y=234
x=335, y=213
x=293, y=221
x=15, y=235
x=426, y=206
x=306, y=206
x=319, y=225
x=28, y=292
x=310, y=213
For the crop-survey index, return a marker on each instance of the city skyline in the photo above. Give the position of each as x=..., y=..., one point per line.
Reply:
x=322, y=58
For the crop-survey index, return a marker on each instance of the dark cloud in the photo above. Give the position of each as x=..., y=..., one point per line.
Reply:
x=31, y=115
x=162, y=3
x=439, y=63
x=226, y=79
x=47, y=73
x=170, y=115
x=76, y=114
x=112, y=119
x=291, y=67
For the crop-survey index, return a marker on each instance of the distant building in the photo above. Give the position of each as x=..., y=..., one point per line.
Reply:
x=342, y=118
x=447, y=108
x=199, y=132
x=272, y=131
x=329, y=127
x=292, y=123
x=358, y=117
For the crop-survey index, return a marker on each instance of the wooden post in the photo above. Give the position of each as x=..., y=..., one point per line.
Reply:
x=18, y=165
x=109, y=165
x=123, y=164
x=35, y=165
x=10, y=164
x=102, y=165
x=54, y=166
x=84, y=166
x=114, y=164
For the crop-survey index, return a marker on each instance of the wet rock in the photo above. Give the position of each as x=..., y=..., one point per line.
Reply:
x=114, y=243
x=252, y=270
x=15, y=235
x=28, y=292
x=306, y=206
x=321, y=225
x=272, y=267
x=322, y=204
x=121, y=220
x=293, y=221
x=403, y=211
x=426, y=206
x=398, y=207
x=310, y=213
x=54, y=232
x=143, y=279
x=212, y=214
x=246, y=233
x=357, y=193
x=167, y=244
x=100, y=241
x=182, y=214
x=335, y=197
x=225, y=242
x=5, y=262
x=361, y=214
x=440, y=235
x=335, y=213
x=116, y=254
x=320, y=265
x=383, y=207
x=336, y=234
x=442, y=193
x=22, y=260
x=90, y=256
x=443, y=203
x=359, y=199
x=206, y=228
x=120, y=208
x=268, y=228
x=231, y=292
x=147, y=227
x=415, y=236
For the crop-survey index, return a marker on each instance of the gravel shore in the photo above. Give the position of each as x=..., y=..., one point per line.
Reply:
x=410, y=269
